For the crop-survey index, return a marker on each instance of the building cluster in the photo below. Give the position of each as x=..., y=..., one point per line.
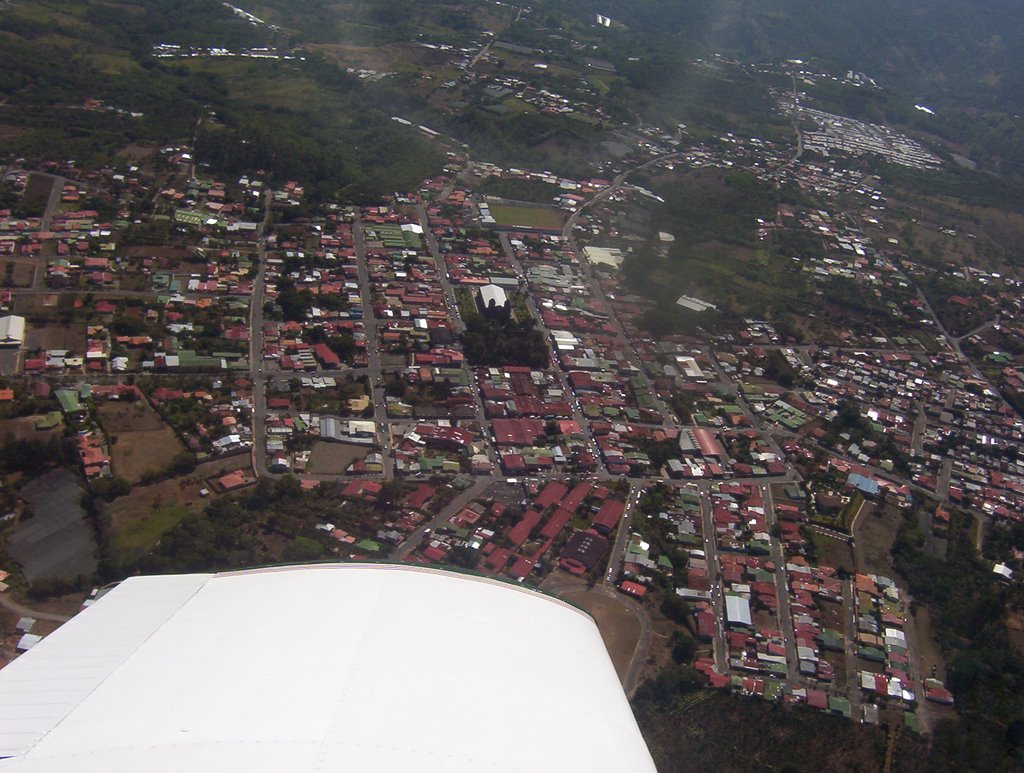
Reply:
x=558, y=523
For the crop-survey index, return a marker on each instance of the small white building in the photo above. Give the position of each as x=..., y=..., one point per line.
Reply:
x=492, y=300
x=12, y=330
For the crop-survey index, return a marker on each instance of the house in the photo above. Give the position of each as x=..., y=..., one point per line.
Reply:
x=608, y=516
x=634, y=589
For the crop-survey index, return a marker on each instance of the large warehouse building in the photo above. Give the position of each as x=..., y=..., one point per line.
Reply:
x=328, y=667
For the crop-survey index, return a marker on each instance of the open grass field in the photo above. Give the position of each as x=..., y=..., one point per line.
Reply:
x=37, y=193
x=139, y=441
x=141, y=518
x=140, y=531
x=527, y=217
x=832, y=552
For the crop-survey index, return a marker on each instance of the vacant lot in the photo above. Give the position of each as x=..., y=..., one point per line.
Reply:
x=876, y=531
x=832, y=552
x=619, y=627
x=527, y=217
x=139, y=441
x=37, y=307
x=334, y=458
x=70, y=337
x=37, y=194
x=931, y=656
x=24, y=428
x=17, y=273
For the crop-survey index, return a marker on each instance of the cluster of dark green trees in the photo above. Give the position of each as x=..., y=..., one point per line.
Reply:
x=504, y=342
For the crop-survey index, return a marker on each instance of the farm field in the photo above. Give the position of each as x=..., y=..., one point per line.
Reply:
x=140, y=442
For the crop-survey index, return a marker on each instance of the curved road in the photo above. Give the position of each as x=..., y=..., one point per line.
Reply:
x=13, y=606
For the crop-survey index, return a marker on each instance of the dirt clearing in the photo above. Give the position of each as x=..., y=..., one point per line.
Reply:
x=333, y=458
x=618, y=625
x=69, y=337
x=140, y=442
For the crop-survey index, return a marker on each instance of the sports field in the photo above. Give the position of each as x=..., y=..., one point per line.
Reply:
x=527, y=217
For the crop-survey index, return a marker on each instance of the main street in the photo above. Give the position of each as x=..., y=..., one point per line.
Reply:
x=781, y=590
x=721, y=652
x=374, y=369
x=52, y=202
x=459, y=327
x=256, y=374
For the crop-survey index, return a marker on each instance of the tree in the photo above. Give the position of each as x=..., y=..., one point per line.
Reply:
x=304, y=549
x=675, y=608
x=111, y=488
x=467, y=558
x=683, y=647
x=287, y=487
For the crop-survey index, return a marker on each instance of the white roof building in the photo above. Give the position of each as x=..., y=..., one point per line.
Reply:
x=12, y=330
x=492, y=294
x=737, y=611
x=323, y=667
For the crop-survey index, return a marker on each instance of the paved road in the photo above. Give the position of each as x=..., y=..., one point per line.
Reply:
x=39, y=272
x=577, y=412
x=616, y=183
x=955, y=344
x=714, y=578
x=615, y=560
x=53, y=201
x=979, y=329
x=374, y=369
x=917, y=435
x=415, y=538
x=256, y=374
x=796, y=128
x=782, y=592
x=850, y=632
x=13, y=606
x=451, y=302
